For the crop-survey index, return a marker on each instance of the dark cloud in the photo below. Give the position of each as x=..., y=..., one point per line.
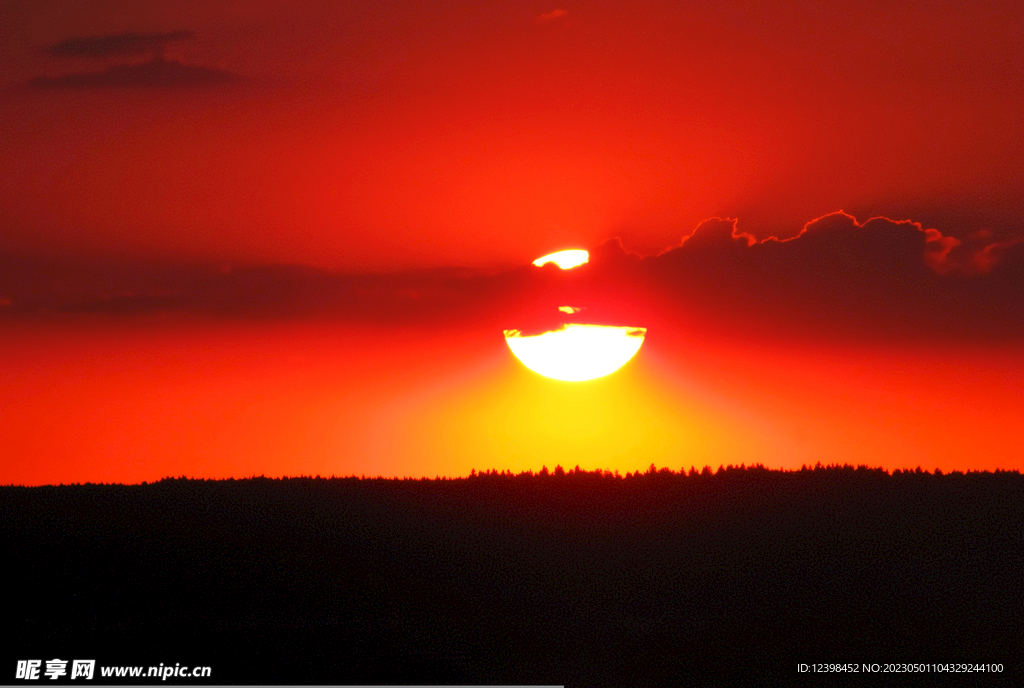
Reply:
x=882, y=280
x=41, y=288
x=156, y=73
x=117, y=45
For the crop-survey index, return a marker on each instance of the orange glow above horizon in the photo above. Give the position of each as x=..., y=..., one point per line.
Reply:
x=105, y=404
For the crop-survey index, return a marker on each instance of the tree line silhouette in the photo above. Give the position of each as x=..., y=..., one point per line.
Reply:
x=581, y=578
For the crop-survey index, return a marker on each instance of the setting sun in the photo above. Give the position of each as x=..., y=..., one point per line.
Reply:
x=759, y=401
x=567, y=259
x=575, y=352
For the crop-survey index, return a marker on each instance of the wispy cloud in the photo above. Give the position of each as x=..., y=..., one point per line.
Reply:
x=551, y=16
x=116, y=45
x=158, y=73
x=126, y=49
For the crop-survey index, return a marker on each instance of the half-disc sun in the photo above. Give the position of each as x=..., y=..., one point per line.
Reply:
x=577, y=352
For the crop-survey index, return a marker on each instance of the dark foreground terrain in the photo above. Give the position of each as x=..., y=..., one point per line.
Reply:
x=582, y=579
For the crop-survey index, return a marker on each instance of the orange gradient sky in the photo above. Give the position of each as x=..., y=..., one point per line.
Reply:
x=283, y=239
x=140, y=403
x=384, y=134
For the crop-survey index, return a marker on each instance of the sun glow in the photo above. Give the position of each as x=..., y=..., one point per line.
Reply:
x=564, y=259
x=577, y=352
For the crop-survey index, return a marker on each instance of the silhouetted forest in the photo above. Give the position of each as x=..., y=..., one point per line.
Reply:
x=563, y=577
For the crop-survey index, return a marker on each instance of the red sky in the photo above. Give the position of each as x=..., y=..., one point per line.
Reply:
x=139, y=199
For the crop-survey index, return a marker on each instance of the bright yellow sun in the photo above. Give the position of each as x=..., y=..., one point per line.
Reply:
x=564, y=259
x=577, y=352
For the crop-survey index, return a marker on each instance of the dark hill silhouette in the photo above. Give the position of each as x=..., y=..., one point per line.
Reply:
x=566, y=577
